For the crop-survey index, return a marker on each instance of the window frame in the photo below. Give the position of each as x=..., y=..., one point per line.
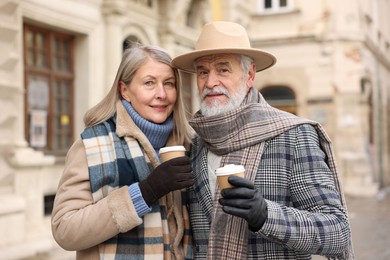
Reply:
x=58, y=139
x=48, y=204
x=275, y=7
x=286, y=102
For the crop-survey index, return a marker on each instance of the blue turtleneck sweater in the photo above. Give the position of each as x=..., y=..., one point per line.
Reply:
x=157, y=135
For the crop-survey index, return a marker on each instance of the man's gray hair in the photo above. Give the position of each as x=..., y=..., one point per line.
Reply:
x=245, y=63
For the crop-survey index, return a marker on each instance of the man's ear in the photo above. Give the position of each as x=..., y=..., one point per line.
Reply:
x=251, y=76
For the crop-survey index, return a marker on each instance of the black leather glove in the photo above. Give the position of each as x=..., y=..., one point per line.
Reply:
x=171, y=175
x=244, y=201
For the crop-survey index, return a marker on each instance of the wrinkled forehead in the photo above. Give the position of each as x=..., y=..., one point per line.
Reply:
x=217, y=58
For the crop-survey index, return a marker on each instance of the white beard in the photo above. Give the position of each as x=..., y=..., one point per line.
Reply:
x=233, y=101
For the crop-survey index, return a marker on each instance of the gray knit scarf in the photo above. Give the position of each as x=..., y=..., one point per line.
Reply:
x=239, y=136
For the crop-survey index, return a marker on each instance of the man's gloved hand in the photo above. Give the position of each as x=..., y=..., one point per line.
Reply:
x=244, y=201
x=171, y=175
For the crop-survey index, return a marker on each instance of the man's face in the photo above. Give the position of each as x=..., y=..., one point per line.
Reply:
x=221, y=83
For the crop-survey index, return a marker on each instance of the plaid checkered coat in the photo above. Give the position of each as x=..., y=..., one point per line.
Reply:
x=305, y=211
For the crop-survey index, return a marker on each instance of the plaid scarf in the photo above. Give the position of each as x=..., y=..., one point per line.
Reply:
x=239, y=137
x=107, y=156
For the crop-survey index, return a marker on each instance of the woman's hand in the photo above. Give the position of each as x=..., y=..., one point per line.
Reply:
x=171, y=175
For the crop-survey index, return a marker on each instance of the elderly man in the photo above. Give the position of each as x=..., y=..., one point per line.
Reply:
x=289, y=205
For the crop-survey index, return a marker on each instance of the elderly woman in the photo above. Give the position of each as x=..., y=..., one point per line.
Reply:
x=115, y=199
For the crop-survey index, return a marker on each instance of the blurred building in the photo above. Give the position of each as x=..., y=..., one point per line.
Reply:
x=333, y=67
x=59, y=58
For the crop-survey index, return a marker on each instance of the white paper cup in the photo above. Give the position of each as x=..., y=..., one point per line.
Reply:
x=170, y=152
x=223, y=174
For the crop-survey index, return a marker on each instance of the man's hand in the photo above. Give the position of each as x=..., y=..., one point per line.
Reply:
x=244, y=201
x=171, y=175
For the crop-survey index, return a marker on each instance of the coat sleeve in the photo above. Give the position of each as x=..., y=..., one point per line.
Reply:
x=315, y=221
x=77, y=222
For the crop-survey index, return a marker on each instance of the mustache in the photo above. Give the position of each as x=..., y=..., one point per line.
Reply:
x=215, y=91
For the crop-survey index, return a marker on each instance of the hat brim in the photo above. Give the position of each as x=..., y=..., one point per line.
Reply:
x=262, y=59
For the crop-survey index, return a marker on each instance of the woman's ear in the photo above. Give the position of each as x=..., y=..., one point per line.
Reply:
x=122, y=90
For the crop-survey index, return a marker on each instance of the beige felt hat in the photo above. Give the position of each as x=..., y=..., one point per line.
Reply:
x=223, y=37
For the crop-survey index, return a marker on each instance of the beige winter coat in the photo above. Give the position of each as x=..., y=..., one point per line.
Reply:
x=77, y=223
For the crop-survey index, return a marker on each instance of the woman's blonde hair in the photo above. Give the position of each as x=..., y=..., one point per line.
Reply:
x=133, y=58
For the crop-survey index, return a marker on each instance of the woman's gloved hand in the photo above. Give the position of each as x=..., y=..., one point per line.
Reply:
x=171, y=175
x=244, y=201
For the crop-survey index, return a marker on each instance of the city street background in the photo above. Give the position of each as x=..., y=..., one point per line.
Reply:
x=370, y=225
x=59, y=58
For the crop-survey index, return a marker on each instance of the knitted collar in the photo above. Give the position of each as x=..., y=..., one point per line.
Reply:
x=157, y=134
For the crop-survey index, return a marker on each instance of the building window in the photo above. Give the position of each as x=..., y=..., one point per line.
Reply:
x=130, y=42
x=186, y=92
x=49, y=80
x=280, y=97
x=274, y=6
x=48, y=202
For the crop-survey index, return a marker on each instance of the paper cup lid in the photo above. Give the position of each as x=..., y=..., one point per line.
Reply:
x=229, y=169
x=172, y=149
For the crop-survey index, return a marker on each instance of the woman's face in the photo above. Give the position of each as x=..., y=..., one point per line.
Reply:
x=152, y=92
